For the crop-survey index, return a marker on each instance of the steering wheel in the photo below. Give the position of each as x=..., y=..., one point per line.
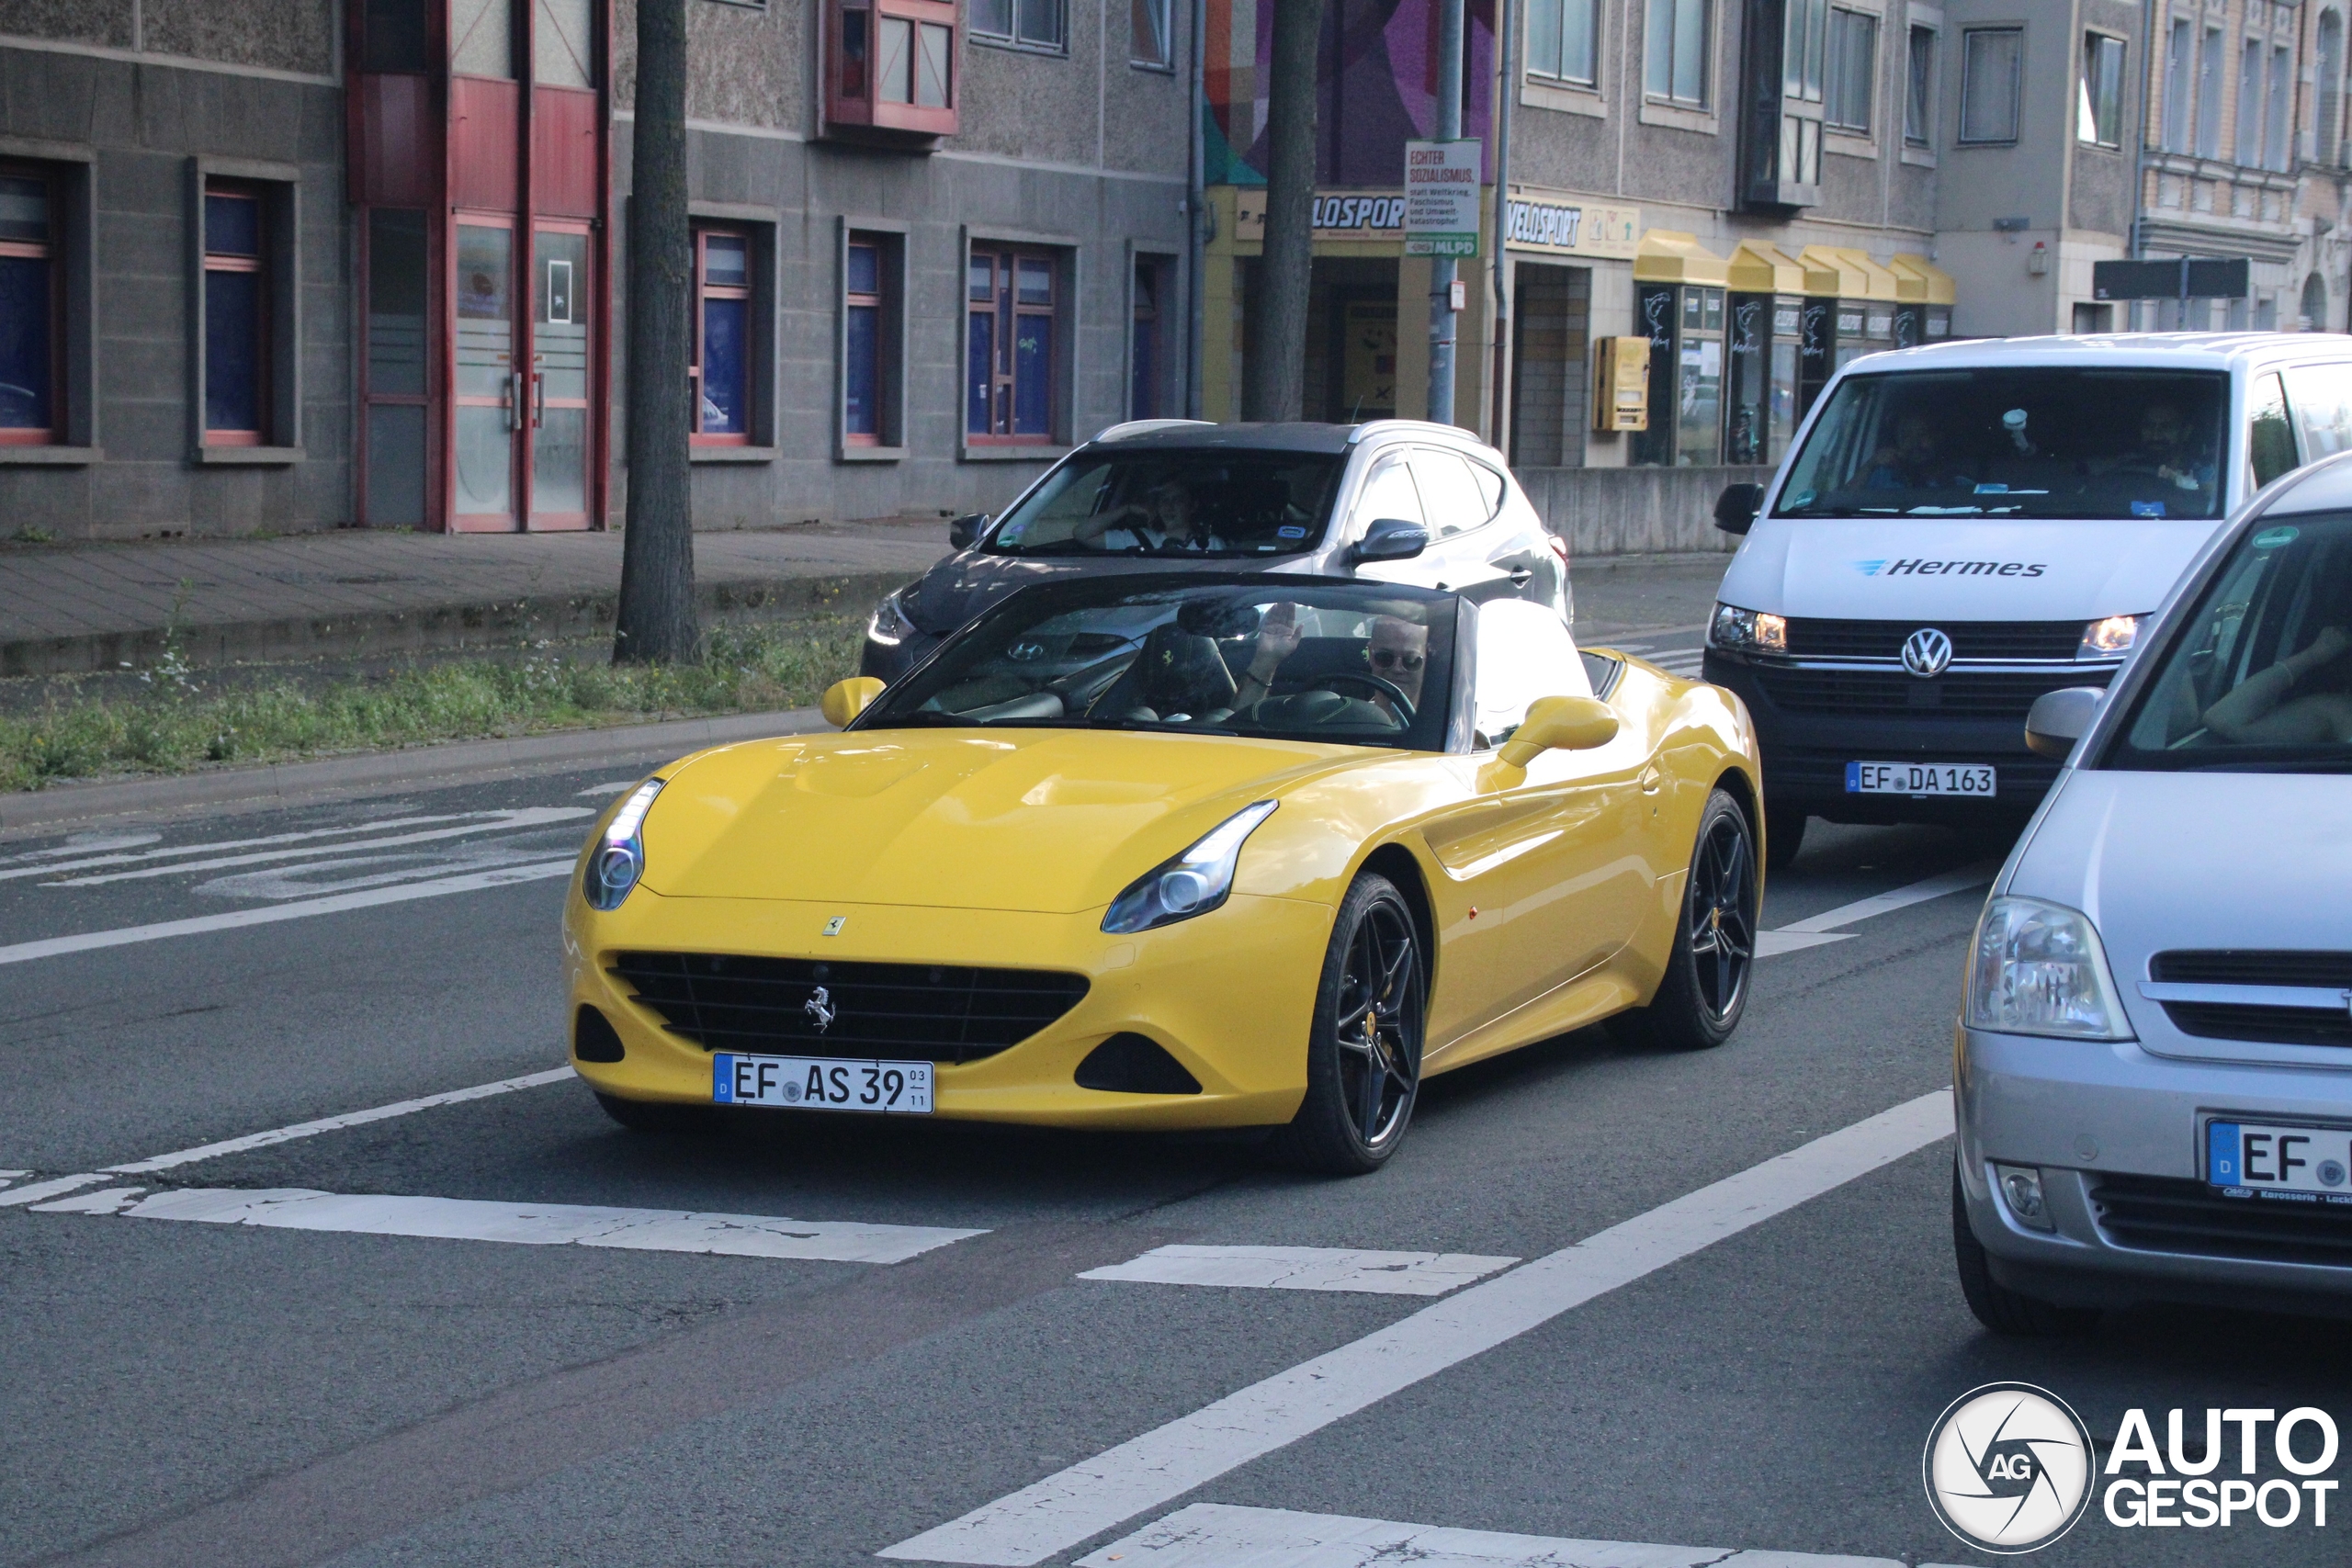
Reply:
x=1385, y=688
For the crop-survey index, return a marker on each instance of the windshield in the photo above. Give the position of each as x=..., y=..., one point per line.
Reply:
x=1368, y=664
x=2257, y=681
x=1191, y=504
x=2030, y=442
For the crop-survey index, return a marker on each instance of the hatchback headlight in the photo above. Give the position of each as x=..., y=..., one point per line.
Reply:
x=1192, y=884
x=891, y=625
x=1748, y=631
x=2038, y=969
x=619, y=860
x=2109, y=638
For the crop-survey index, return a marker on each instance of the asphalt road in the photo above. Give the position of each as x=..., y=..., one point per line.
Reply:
x=318, y=1388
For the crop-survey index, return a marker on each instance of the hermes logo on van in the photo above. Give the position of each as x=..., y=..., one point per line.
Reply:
x=1949, y=567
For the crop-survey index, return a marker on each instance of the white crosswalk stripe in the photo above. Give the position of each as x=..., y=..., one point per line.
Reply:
x=1305, y=1269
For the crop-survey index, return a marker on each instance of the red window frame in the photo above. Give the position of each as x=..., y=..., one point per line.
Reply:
x=258, y=265
x=52, y=251
x=705, y=290
x=855, y=33
x=1007, y=310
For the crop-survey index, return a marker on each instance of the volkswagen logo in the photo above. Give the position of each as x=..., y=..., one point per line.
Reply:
x=1926, y=652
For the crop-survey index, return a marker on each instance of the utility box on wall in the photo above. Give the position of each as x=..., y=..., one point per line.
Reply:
x=1621, y=384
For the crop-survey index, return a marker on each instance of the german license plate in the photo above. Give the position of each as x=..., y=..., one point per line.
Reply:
x=821, y=1083
x=2304, y=1164
x=1918, y=778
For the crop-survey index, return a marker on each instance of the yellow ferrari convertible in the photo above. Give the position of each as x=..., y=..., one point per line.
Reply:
x=1177, y=850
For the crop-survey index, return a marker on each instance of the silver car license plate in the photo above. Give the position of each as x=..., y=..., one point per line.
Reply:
x=1919, y=778
x=2266, y=1159
x=821, y=1083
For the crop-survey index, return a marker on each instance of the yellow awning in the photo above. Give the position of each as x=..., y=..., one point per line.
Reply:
x=1922, y=280
x=1879, y=280
x=1857, y=276
x=1667, y=256
x=1758, y=268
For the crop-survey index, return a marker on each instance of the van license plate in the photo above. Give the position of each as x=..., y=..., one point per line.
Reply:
x=1918, y=778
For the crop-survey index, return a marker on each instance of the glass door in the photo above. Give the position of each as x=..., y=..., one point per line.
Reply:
x=560, y=349
x=488, y=388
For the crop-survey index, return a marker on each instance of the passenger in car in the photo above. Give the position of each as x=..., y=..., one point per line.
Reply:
x=1915, y=461
x=1167, y=520
x=2259, y=711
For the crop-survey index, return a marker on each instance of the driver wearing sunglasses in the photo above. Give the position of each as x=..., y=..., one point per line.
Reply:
x=1397, y=651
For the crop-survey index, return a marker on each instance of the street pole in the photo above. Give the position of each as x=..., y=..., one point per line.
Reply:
x=1445, y=269
x=1195, y=205
x=1505, y=37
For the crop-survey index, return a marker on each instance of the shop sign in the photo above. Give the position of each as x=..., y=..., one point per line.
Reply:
x=1354, y=215
x=1441, y=197
x=1575, y=228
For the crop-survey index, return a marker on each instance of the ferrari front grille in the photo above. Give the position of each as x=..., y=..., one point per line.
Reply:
x=800, y=1007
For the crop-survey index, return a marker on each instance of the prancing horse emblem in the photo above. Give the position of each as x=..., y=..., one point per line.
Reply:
x=820, y=1009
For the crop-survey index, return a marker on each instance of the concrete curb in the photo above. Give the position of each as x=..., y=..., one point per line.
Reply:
x=229, y=791
x=490, y=624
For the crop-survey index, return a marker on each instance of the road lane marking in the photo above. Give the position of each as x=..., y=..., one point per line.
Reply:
x=539, y=1225
x=1215, y=1535
x=1096, y=1494
x=1819, y=931
x=123, y=936
x=529, y=817
x=1305, y=1269
x=336, y=1123
x=54, y=1187
x=606, y=789
x=90, y=857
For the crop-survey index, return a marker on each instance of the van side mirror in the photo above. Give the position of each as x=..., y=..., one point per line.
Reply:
x=1735, y=509
x=844, y=700
x=966, y=528
x=2058, y=720
x=1559, y=724
x=1390, y=538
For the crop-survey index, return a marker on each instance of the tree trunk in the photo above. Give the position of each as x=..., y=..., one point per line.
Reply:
x=657, y=621
x=1274, y=379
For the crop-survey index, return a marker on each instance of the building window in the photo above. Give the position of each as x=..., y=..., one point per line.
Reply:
x=2099, y=109
x=1025, y=24
x=2282, y=98
x=2247, y=147
x=872, y=285
x=1564, y=40
x=2210, y=65
x=1853, y=69
x=236, y=317
x=2176, y=68
x=2328, y=105
x=1014, y=300
x=1919, y=100
x=1989, y=60
x=1679, y=48
x=891, y=65
x=395, y=373
x=1153, y=27
x=1144, y=359
x=723, y=359
x=32, y=293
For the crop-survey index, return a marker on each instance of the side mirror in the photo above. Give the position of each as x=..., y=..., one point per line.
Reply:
x=1560, y=724
x=966, y=528
x=2058, y=720
x=1390, y=538
x=1735, y=509
x=844, y=700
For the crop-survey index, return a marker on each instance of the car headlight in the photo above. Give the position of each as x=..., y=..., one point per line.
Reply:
x=2109, y=638
x=2038, y=969
x=1192, y=884
x=1748, y=631
x=891, y=625
x=618, y=859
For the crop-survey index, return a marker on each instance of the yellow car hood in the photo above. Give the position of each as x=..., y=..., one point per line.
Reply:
x=1044, y=821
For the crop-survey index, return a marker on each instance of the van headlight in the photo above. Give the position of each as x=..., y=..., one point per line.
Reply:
x=2038, y=969
x=1748, y=631
x=1192, y=884
x=2109, y=638
x=617, y=860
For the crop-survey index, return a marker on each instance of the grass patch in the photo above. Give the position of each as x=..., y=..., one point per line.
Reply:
x=175, y=724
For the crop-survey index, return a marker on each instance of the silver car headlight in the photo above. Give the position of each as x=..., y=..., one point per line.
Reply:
x=2038, y=969
x=891, y=625
x=1192, y=884
x=1748, y=631
x=619, y=860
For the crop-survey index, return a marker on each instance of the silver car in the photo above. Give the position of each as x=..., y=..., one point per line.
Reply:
x=2154, y=1075
x=1394, y=500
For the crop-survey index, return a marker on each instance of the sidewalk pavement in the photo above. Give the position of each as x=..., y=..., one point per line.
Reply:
x=77, y=608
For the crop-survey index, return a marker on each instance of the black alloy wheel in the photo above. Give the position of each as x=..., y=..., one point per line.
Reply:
x=1364, y=1054
x=1704, y=990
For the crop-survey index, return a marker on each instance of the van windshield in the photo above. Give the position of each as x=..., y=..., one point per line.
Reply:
x=2033, y=441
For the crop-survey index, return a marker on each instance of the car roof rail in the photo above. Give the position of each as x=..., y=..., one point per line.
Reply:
x=1143, y=426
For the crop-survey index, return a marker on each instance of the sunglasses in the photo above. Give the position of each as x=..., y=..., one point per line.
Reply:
x=1390, y=658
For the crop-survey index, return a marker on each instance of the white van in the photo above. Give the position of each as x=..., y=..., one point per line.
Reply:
x=1961, y=528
